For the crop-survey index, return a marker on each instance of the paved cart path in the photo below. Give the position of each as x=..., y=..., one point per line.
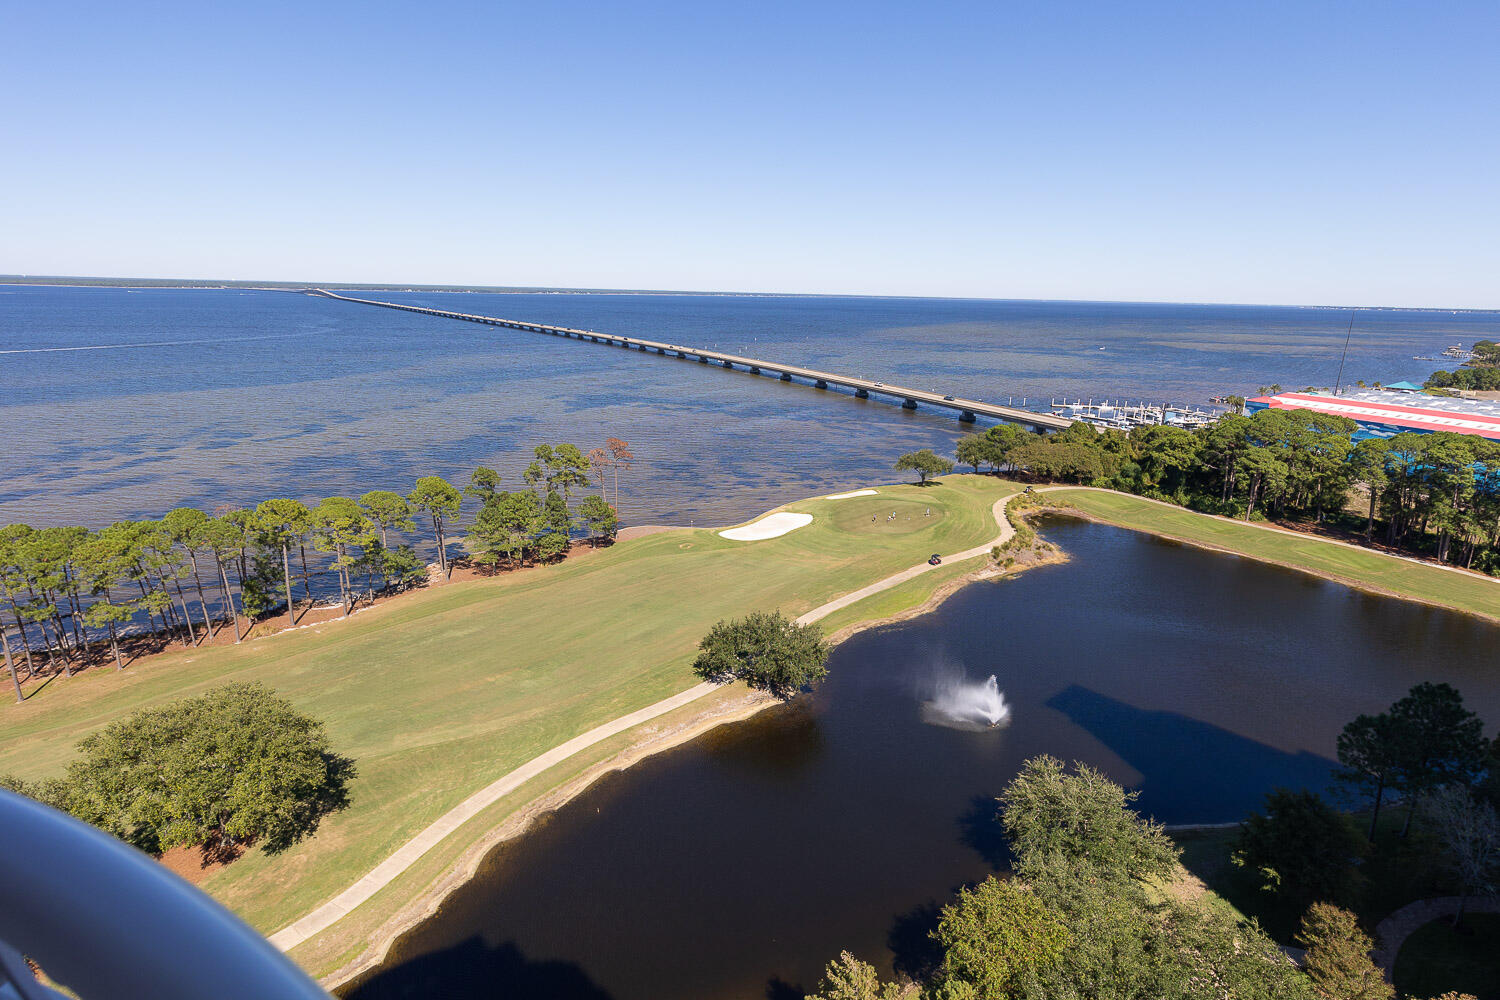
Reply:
x=384, y=873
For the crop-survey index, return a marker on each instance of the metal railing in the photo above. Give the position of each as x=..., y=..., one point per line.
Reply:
x=110, y=923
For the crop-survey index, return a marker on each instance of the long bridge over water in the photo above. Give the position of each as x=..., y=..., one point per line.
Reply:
x=968, y=409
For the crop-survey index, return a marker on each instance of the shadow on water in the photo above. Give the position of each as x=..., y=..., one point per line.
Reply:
x=475, y=969
x=1187, y=764
x=913, y=951
x=979, y=827
x=779, y=989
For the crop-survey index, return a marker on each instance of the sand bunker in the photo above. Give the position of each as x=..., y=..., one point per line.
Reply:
x=846, y=496
x=769, y=526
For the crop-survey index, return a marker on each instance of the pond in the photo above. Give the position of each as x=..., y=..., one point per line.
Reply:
x=734, y=867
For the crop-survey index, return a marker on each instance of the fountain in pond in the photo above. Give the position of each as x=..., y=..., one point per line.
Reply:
x=965, y=704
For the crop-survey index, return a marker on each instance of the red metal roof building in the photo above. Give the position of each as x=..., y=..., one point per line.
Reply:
x=1381, y=414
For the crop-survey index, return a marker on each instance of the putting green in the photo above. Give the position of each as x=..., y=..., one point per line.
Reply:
x=871, y=515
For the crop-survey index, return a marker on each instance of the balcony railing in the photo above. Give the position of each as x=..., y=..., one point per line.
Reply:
x=111, y=924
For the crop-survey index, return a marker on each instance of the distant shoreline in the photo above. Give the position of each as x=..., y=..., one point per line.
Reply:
x=187, y=284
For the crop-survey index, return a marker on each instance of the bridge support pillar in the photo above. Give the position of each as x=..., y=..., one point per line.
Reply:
x=909, y=404
x=820, y=384
x=702, y=360
x=726, y=364
x=862, y=393
x=785, y=377
x=681, y=355
x=754, y=370
x=966, y=417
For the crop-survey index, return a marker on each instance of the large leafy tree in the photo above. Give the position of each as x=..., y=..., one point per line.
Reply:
x=1001, y=440
x=221, y=769
x=284, y=523
x=995, y=935
x=847, y=978
x=1440, y=742
x=1082, y=817
x=1166, y=456
x=766, y=650
x=1301, y=851
x=46, y=566
x=436, y=497
x=1338, y=956
x=924, y=463
x=971, y=450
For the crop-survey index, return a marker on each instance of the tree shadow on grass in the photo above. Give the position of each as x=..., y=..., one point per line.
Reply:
x=474, y=969
x=330, y=796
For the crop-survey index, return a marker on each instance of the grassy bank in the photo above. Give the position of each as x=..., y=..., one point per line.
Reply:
x=1471, y=593
x=440, y=693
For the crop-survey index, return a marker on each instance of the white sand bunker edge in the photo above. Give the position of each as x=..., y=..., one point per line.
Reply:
x=770, y=526
x=846, y=496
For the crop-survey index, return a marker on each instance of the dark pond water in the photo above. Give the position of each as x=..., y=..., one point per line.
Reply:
x=734, y=867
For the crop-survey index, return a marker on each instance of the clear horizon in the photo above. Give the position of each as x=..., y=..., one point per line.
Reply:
x=123, y=281
x=1271, y=154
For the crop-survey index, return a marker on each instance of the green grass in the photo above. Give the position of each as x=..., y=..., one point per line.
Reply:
x=441, y=692
x=1437, y=958
x=1465, y=592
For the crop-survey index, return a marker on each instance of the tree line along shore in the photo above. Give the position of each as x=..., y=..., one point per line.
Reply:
x=72, y=596
x=1434, y=495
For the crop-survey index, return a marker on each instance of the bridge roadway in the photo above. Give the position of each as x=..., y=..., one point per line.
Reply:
x=967, y=409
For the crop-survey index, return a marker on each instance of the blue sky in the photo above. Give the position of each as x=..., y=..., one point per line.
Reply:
x=1262, y=152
